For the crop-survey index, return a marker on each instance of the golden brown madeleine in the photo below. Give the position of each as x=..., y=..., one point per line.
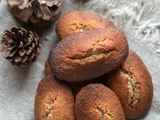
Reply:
x=132, y=83
x=79, y=21
x=54, y=101
x=89, y=54
x=48, y=68
x=97, y=102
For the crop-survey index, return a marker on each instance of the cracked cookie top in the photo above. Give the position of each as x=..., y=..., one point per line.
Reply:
x=79, y=21
x=54, y=100
x=132, y=83
x=89, y=54
x=97, y=102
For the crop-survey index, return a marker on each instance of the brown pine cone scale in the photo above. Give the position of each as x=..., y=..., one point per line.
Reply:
x=20, y=46
x=39, y=13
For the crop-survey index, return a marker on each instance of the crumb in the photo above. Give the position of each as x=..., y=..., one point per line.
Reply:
x=46, y=38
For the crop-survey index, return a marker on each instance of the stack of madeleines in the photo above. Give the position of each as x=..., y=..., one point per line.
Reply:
x=91, y=74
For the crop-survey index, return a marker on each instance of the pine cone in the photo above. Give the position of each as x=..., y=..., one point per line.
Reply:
x=19, y=46
x=35, y=12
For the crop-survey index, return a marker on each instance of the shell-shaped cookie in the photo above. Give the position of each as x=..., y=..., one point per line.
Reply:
x=78, y=21
x=132, y=83
x=97, y=102
x=54, y=101
x=89, y=54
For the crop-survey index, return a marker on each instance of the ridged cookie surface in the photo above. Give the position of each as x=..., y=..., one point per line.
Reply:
x=97, y=102
x=132, y=83
x=54, y=101
x=89, y=54
x=79, y=21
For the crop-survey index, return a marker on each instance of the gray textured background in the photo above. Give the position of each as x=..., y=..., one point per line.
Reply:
x=18, y=86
